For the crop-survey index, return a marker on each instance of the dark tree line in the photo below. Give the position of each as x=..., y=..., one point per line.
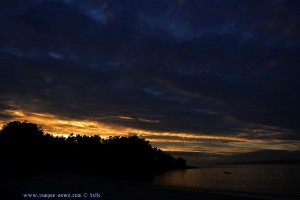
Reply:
x=26, y=149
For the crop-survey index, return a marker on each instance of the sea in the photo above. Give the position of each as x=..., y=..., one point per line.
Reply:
x=259, y=179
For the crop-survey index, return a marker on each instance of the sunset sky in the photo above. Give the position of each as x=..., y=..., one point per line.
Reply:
x=209, y=80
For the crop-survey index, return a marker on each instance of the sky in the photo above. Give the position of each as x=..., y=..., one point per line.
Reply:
x=209, y=80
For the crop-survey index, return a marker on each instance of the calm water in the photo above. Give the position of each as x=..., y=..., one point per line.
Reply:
x=266, y=179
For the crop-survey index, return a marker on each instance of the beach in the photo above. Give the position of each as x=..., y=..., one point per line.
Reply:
x=93, y=187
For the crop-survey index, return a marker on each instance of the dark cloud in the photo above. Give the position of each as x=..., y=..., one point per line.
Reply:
x=221, y=67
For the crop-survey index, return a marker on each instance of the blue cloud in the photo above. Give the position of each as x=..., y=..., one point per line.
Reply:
x=201, y=66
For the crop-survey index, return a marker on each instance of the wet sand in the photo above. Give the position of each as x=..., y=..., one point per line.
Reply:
x=92, y=187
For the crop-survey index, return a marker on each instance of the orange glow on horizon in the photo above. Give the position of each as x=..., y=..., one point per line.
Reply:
x=168, y=141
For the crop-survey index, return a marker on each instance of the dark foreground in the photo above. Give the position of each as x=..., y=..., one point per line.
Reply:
x=93, y=187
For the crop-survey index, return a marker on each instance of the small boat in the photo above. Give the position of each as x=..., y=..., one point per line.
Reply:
x=228, y=173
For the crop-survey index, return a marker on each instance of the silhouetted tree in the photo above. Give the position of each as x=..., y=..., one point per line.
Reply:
x=27, y=149
x=21, y=132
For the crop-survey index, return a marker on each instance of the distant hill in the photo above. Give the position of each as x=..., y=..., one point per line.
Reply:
x=287, y=161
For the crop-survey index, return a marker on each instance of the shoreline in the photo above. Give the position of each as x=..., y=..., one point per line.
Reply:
x=110, y=189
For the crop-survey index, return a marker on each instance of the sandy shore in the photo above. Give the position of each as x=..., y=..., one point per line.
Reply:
x=91, y=187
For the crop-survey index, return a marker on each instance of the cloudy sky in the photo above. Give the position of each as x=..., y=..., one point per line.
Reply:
x=206, y=79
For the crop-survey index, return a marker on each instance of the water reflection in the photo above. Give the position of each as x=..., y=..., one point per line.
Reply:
x=268, y=179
